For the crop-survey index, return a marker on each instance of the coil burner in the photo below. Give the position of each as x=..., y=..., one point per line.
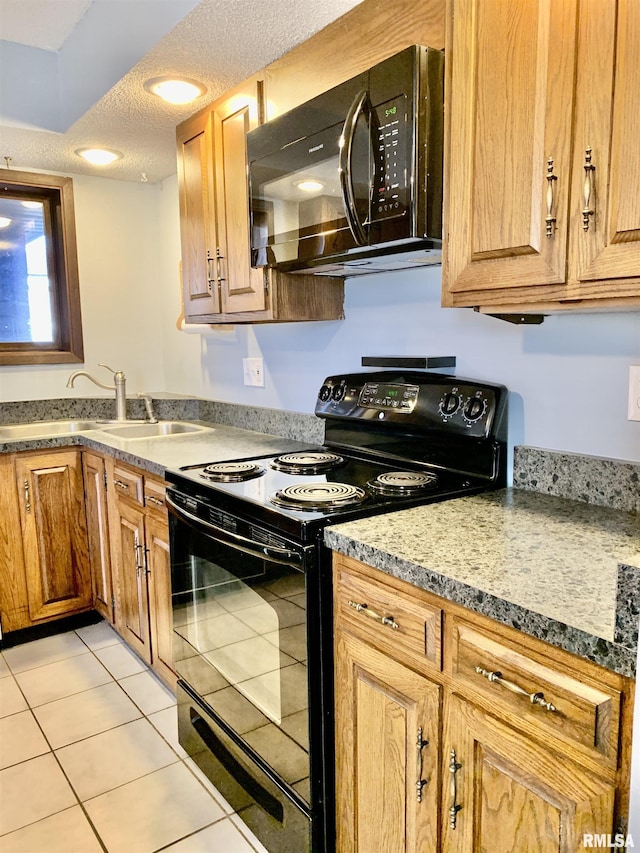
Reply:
x=232, y=472
x=318, y=496
x=312, y=462
x=403, y=483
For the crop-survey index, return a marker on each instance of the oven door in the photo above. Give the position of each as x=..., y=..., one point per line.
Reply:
x=239, y=598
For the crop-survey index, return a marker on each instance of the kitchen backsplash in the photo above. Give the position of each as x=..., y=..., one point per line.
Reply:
x=592, y=479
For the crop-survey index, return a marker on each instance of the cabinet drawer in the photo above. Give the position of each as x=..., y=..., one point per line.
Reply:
x=541, y=694
x=128, y=484
x=154, y=497
x=395, y=621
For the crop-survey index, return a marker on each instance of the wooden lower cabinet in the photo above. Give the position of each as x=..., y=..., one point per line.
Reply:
x=54, y=533
x=388, y=724
x=95, y=496
x=505, y=792
x=139, y=534
x=432, y=755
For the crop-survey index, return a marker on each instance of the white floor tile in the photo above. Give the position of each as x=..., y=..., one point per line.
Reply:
x=32, y=790
x=65, y=832
x=4, y=669
x=152, y=812
x=244, y=829
x=208, y=785
x=99, y=635
x=106, y=761
x=85, y=714
x=222, y=836
x=166, y=722
x=20, y=739
x=120, y=660
x=147, y=692
x=45, y=651
x=11, y=699
x=63, y=678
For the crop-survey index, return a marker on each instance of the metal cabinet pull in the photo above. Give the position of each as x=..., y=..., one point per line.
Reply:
x=384, y=620
x=121, y=485
x=535, y=698
x=455, y=806
x=210, y=281
x=155, y=501
x=420, y=744
x=27, y=501
x=219, y=258
x=587, y=210
x=550, y=219
x=136, y=548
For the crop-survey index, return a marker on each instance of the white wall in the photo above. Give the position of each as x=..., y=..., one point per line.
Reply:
x=117, y=234
x=568, y=377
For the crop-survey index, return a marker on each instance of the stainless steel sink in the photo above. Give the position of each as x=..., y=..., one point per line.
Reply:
x=147, y=430
x=16, y=432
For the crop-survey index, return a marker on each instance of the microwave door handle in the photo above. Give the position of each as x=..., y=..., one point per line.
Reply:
x=346, y=182
x=276, y=555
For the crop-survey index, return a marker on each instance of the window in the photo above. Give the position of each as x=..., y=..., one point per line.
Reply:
x=40, y=320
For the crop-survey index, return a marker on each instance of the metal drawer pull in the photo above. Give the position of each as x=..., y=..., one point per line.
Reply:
x=587, y=210
x=121, y=485
x=155, y=501
x=385, y=620
x=420, y=743
x=455, y=807
x=550, y=219
x=534, y=698
x=27, y=502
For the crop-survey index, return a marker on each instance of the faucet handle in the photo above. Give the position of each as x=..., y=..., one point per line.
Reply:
x=117, y=373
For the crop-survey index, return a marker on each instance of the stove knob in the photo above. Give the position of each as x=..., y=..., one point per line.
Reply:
x=338, y=392
x=449, y=404
x=474, y=409
x=325, y=393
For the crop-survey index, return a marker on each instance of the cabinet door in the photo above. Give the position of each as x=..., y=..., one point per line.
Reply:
x=159, y=585
x=504, y=793
x=387, y=725
x=95, y=493
x=607, y=64
x=14, y=603
x=197, y=216
x=132, y=617
x=242, y=287
x=510, y=84
x=54, y=533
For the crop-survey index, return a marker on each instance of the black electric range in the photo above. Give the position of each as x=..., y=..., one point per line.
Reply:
x=251, y=580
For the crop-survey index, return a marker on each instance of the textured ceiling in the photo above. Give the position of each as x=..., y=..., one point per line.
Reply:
x=218, y=42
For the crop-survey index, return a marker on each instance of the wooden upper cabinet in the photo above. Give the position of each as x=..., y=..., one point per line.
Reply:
x=242, y=287
x=607, y=62
x=54, y=529
x=538, y=90
x=194, y=140
x=510, y=84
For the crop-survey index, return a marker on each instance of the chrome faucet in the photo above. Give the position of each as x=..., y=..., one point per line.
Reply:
x=118, y=386
x=148, y=403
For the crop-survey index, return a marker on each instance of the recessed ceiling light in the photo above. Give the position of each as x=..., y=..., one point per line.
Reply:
x=99, y=156
x=309, y=186
x=175, y=90
x=5, y=221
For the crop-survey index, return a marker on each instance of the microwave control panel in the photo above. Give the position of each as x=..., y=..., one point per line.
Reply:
x=390, y=184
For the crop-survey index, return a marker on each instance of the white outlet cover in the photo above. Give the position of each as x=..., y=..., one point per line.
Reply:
x=634, y=392
x=253, y=372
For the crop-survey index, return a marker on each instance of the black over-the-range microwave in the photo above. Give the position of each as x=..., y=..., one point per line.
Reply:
x=351, y=181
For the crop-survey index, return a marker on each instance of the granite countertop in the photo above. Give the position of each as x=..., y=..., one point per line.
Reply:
x=563, y=571
x=217, y=443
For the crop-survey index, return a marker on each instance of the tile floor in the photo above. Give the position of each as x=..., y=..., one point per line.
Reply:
x=90, y=760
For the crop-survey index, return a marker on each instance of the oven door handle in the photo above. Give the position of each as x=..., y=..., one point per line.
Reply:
x=276, y=555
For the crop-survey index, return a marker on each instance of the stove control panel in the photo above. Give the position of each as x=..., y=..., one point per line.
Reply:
x=410, y=400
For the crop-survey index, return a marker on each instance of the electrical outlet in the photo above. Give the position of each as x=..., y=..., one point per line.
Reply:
x=253, y=372
x=634, y=392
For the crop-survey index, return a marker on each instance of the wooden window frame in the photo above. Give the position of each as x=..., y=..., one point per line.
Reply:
x=68, y=346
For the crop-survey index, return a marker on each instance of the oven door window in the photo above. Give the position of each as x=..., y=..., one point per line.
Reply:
x=240, y=643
